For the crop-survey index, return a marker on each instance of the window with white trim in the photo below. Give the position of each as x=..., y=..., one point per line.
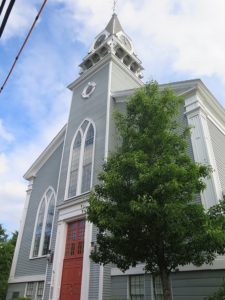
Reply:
x=43, y=227
x=137, y=287
x=157, y=286
x=40, y=290
x=30, y=289
x=80, y=170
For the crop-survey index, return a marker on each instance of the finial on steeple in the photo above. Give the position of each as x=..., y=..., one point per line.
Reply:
x=114, y=6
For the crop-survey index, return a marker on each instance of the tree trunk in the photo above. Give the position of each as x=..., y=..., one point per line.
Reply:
x=166, y=284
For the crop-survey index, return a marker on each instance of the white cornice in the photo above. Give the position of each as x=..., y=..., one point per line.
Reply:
x=74, y=200
x=100, y=65
x=120, y=96
x=208, y=103
x=179, y=87
x=40, y=161
x=206, y=100
x=211, y=106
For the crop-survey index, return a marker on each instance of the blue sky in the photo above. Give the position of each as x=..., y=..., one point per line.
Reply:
x=175, y=39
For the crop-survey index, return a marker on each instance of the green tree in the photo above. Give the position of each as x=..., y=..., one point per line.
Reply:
x=144, y=206
x=7, y=246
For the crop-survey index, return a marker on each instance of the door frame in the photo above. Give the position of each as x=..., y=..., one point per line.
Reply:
x=68, y=215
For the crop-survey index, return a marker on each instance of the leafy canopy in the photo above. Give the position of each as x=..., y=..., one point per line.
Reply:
x=144, y=206
x=7, y=246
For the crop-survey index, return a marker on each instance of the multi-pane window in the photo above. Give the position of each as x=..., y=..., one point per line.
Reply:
x=158, y=290
x=44, y=223
x=137, y=287
x=87, y=159
x=80, y=170
x=74, y=167
x=40, y=290
x=15, y=295
x=75, y=239
x=39, y=228
x=48, y=225
x=30, y=289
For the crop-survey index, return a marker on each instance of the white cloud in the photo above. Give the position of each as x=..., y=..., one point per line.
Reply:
x=4, y=133
x=12, y=186
x=187, y=33
x=3, y=163
x=12, y=191
x=41, y=94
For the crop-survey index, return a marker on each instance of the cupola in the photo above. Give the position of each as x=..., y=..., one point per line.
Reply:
x=113, y=40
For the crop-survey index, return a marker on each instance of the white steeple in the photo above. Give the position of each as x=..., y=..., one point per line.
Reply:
x=113, y=40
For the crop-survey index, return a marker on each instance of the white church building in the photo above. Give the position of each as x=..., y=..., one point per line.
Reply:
x=51, y=259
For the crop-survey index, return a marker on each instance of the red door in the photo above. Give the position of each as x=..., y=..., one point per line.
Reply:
x=73, y=261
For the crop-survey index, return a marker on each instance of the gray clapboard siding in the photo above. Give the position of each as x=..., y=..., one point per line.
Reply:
x=218, y=143
x=121, y=80
x=196, y=285
x=107, y=282
x=47, y=176
x=119, y=287
x=16, y=287
x=94, y=273
x=93, y=108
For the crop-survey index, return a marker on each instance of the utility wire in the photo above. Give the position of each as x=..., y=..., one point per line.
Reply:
x=2, y=6
x=6, y=16
x=23, y=45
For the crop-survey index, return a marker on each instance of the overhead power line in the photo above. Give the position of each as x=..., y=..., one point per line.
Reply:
x=2, y=6
x=6, y=16
x=23, y=45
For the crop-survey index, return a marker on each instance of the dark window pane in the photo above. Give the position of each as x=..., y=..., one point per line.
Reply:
x=48, y=225
x=74, y=166
x=38, y=231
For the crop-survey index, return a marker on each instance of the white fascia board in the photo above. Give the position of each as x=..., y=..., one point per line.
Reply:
x=121, y=96
x=49, y=150
x=94, y=69
x=21, y=279
x=139, y=269
x=181, y=85
x=218, y=264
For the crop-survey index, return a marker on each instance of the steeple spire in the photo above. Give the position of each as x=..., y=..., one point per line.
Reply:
x=114, y=25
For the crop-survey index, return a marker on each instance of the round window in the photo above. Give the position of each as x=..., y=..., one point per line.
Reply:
x=88, y=90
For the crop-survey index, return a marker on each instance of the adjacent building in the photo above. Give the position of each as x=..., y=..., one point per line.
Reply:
x=51, y=259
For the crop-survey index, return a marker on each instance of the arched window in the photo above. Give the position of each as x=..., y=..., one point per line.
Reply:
x=80, y=170
x=87, y=160
x=74, y=167
x=44, y=221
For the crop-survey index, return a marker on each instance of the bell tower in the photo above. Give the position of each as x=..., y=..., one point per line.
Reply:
x=111, y=65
